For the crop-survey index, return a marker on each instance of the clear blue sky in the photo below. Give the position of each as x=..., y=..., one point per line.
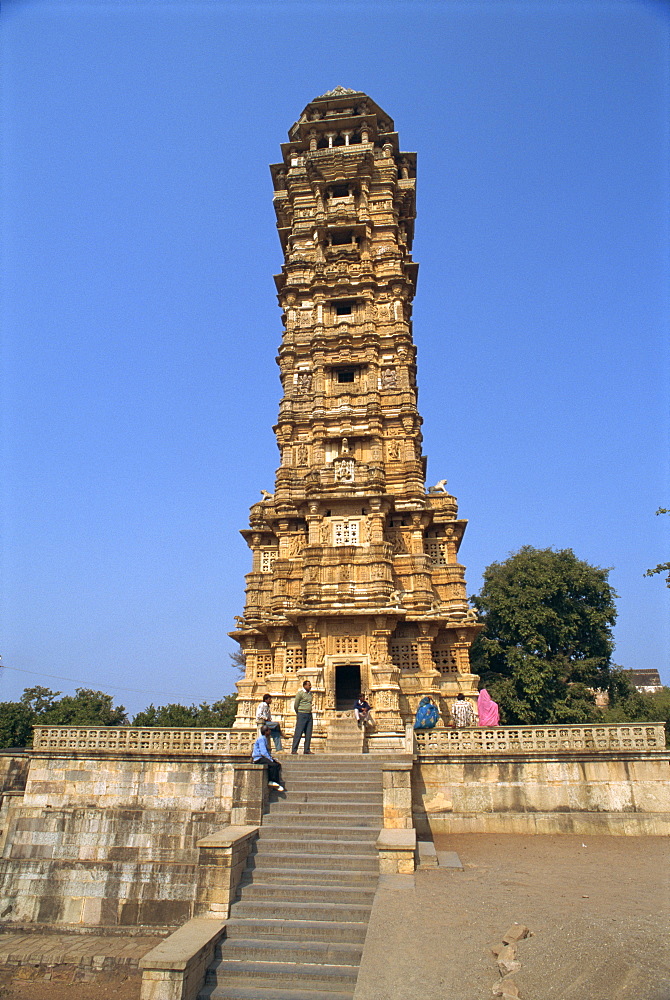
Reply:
x=141, y=325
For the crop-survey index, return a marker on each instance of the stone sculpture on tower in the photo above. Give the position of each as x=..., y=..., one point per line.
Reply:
x=355, y=584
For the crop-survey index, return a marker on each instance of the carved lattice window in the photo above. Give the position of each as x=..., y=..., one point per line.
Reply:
x=295, y=659
x=437, y=552
x=444, y=660
x=405, y=655
x=268, y=557
x=346, y=644
x=345, y=532
x=263, y=664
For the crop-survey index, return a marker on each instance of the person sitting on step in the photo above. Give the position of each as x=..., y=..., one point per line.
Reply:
x=261, y=754
x=363, y=712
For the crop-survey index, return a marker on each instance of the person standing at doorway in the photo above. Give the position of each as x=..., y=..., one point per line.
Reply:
x=304, y=722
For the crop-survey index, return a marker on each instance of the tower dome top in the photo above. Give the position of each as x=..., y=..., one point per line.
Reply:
x=345, y=106
x=338, y=91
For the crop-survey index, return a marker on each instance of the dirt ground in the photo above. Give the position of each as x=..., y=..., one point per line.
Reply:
x=598, y=909
x=30, y=984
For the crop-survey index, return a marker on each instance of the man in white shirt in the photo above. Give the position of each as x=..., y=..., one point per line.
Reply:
x=264, y=718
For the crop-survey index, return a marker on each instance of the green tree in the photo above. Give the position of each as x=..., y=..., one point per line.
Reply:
x=547, y=641
x=167, y=716
x=85, y=708
x=662, y=567
x=16, y=724
x=220, y=715
x=39, y=699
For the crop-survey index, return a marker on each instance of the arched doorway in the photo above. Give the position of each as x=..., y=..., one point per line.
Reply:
x=347, y=685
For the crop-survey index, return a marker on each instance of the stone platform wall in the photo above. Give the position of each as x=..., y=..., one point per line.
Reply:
x=99, y=827
x=569, y=779
x=109, y=840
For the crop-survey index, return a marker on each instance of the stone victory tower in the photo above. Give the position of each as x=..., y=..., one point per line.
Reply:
x=356, y=583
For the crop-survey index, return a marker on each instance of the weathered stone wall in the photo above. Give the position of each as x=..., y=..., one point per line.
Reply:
x=603, y=793
x=110, y=840
x=14, y=771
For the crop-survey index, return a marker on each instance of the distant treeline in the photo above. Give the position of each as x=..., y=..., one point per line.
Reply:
x=39, y=706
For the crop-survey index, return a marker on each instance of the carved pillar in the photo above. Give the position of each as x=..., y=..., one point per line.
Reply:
x=376, y=522
x=385, y=686
x=452, y=550
x=314, y=520
x=416, y=535
x=313, y=669
x=460, y=648
x=428, y=676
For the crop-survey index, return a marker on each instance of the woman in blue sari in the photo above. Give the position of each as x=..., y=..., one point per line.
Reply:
x=427, y=714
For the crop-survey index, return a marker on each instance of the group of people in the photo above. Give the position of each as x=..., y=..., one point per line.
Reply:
x=427, y=716
x=269, y=728
x=462, y=712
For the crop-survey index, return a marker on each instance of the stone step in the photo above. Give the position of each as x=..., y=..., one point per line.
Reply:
x=263, y=889
x=324, y=794
x=309, y=831
x=301, y=800
x=341, y=763
x=230, y=992
x=283, y=859
x=336, y=813
x=294, y=932
x=311, y=976
x=301, y=910
x=279, y=875
x=342, y=772
x=314, y=783
x=280, y=844
x=302, y=952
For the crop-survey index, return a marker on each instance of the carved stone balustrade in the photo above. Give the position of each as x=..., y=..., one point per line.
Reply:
x=128, y=740
x=511, y=740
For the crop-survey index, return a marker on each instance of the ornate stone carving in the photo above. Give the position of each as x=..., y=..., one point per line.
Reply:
x=389, y=378
x=344, y=470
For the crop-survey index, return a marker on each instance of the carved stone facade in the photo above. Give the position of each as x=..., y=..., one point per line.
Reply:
x=356, y=583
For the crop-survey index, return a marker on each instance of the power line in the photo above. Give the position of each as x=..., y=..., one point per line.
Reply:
x=116, y=687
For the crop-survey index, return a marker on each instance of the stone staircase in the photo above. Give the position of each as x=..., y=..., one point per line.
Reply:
x=344, y=736
x=298, y=927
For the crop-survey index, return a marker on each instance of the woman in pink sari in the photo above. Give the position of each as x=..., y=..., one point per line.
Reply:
x=487, y=709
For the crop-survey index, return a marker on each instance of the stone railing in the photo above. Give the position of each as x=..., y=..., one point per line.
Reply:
x=540, y=739
x=126, y=739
